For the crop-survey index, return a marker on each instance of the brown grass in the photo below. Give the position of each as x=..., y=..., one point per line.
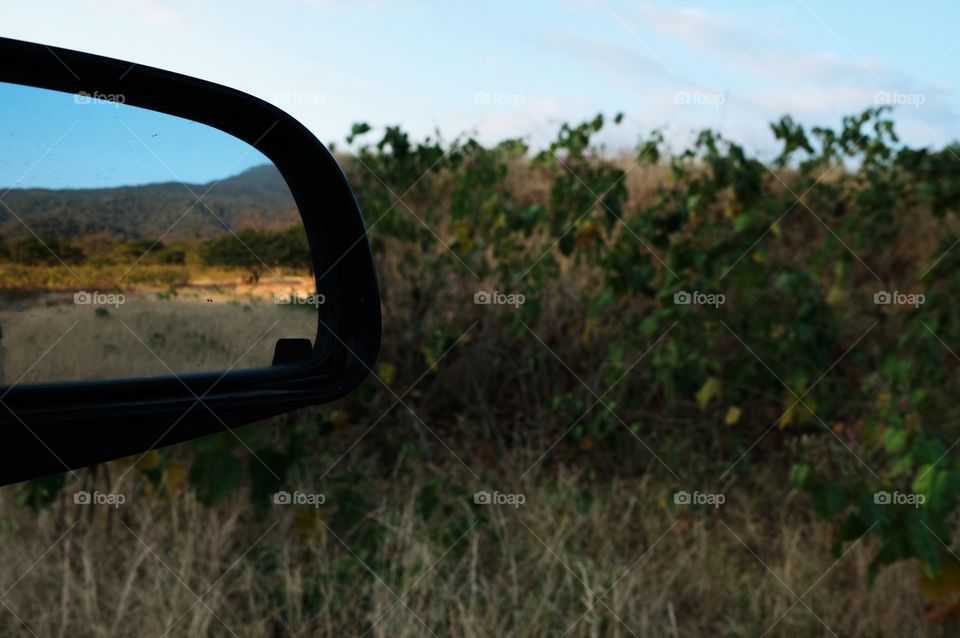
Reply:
x=213, y=324
x=595, y=559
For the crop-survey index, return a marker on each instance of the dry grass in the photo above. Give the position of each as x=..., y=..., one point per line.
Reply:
x=588, y=558
x=210, y=325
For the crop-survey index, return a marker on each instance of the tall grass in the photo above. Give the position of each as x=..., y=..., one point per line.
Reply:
x=587, y=557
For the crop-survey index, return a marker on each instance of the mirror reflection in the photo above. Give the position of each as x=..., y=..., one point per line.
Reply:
x=135, y=243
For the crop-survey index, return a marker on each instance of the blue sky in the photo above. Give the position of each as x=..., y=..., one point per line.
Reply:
x=58, y=140
x=503, y=69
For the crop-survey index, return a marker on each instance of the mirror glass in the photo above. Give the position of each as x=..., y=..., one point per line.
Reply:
x=135, y=243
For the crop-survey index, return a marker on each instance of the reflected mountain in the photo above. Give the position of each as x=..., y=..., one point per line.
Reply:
x=255, y=198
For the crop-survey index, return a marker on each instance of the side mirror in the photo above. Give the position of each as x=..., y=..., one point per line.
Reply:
x=65, y=420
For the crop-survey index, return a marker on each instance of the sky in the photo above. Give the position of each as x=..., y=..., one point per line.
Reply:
x=50, y=139
x=501, y=69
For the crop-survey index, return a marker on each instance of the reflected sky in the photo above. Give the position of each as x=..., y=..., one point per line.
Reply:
x=50, y=139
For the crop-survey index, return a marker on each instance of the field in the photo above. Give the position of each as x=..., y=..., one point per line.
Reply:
x=599, y=558
x=660, y=394
x=216, y=322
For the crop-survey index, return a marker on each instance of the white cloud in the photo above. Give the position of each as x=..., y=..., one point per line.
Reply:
x=813, y=101
x=770, y=73
x=695, y=26
x=154, y=12
x=616, y=59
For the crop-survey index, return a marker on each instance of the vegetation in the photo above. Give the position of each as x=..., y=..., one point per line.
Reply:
x=780, y=334
x=255, y=250
x=35, y=262
x=258, y=197
x=799, y=366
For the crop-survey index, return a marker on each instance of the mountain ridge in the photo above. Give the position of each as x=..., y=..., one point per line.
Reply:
x=255, y=198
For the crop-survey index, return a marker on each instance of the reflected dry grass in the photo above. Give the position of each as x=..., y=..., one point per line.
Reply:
x=210, y=325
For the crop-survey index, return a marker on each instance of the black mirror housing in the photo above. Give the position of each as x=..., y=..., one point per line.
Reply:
x=53, y=427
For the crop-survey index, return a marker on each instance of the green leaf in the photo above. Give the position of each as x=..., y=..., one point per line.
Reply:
x=923, y=543
x=895, y=440
x=215, y=475
x=828, y=500
x=744, y=222
x=902, y=465
x=267, y=469
x=799, y=474
x=938, y=485
x=928, y=449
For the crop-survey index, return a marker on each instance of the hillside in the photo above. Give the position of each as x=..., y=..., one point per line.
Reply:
x=257, y=197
